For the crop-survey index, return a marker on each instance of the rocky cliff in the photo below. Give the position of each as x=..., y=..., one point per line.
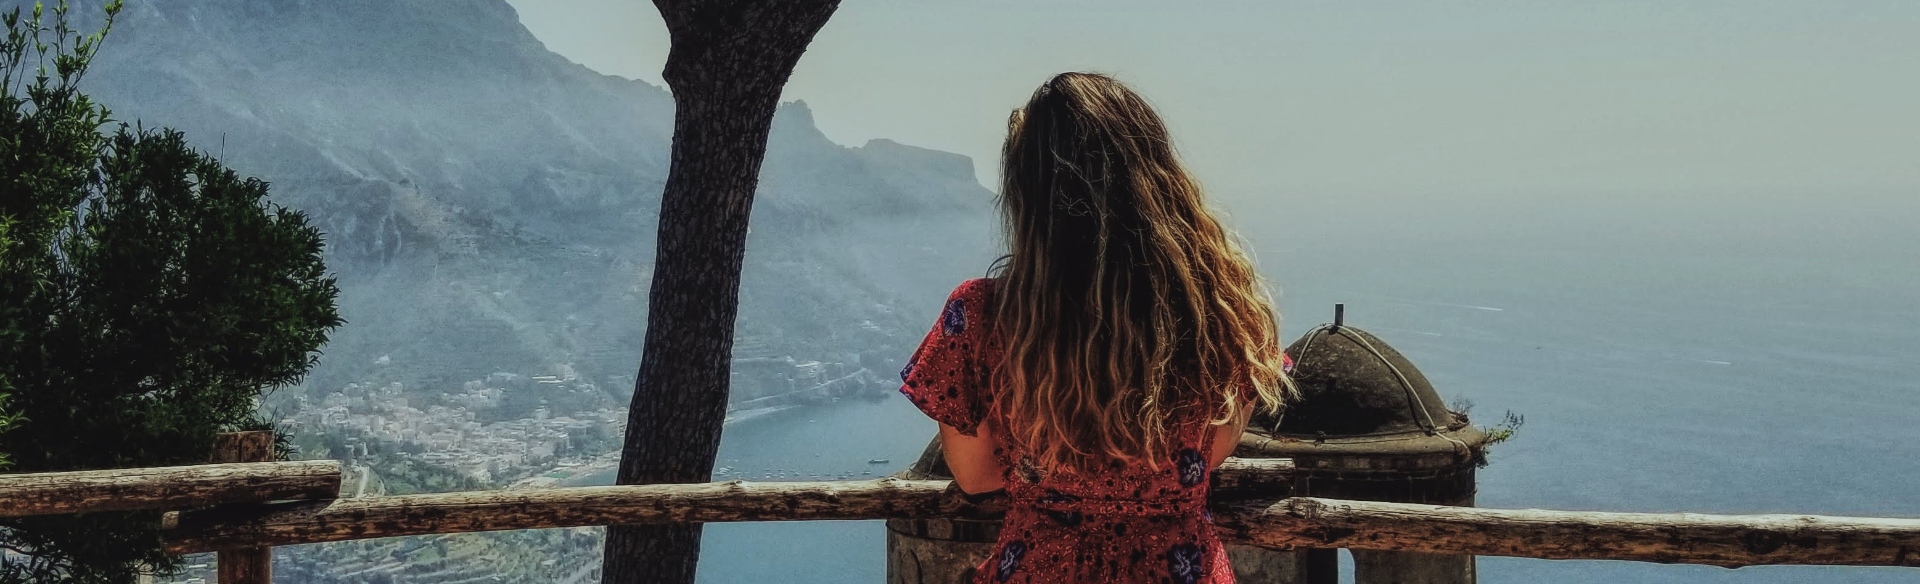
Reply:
x=490, y=205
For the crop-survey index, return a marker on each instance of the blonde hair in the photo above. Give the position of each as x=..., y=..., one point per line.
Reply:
x=1125, y=305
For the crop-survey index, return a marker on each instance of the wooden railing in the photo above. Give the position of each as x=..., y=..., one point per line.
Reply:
x=174, y=487
x=244, y=508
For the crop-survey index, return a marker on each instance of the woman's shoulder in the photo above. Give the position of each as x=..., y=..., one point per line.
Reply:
x=977, y=289
x=970, y=303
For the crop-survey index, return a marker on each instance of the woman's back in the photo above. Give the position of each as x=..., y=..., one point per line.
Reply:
x=1123, y=523
x=1113, y=358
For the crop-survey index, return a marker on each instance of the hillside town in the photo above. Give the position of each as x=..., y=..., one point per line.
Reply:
x=465, y=431
x=502, y=431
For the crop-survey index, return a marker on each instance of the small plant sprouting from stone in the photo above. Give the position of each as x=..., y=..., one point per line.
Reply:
x=1504, y=430
x=1460, y=406
x=1497, y=433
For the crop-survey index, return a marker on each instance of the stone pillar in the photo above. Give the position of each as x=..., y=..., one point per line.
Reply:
x=1253, y=565
x=1376, y=567
x=1257, y=565
x=1404, y=469
x=1384, y=567
x=1370, y=427
x=936, y=551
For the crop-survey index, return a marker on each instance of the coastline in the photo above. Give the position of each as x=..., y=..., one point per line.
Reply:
x=567, y=473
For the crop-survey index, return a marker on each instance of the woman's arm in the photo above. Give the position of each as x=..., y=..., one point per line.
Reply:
x=1226, y=436
x=974, y=465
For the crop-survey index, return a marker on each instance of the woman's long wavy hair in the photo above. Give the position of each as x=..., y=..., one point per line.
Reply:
x=1126, y=307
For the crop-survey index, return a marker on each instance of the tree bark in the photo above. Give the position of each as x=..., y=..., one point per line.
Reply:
x=170, y=487
x=728, y=62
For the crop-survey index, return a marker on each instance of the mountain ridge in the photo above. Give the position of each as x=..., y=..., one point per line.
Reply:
x=490, y=205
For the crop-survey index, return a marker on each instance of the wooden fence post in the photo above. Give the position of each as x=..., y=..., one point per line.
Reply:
x=247, y=565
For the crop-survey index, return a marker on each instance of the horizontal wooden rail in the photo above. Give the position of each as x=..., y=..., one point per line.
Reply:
x=1719, y=540
x=172, y=487
x=315, y=522
x=252, y=505
x=1686, y=538
x=347, y=519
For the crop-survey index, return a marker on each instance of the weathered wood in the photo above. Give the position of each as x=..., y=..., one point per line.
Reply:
x=1296, y=523
x=252, y=565
x=246, y=565
x=1266, y=479
x=345, y=519
x=1269, y=477
x=1721, y=540
x=1689, y=538
x=171, y=487
x=660, y=504
x=255, y=446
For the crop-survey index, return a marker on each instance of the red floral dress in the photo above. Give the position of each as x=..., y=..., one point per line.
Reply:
x=1123, y=524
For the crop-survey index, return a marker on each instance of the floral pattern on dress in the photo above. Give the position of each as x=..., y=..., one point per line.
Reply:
x=1192, y=467
x=1186, y=564
x=1124, y=524
x=1009, y=560
x=954, y=321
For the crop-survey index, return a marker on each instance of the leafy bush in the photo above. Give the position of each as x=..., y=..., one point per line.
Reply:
x=148, y=295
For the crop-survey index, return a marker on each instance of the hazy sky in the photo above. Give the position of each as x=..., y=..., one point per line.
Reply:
x=1274, y=100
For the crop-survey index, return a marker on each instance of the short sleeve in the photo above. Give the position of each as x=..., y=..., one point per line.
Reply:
x=944, y=377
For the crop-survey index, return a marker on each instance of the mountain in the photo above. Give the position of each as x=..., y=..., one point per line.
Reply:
x=491, y=206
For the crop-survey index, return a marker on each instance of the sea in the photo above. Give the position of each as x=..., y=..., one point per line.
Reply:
x=1751, y=372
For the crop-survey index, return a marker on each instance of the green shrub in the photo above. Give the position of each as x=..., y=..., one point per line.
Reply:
x=148, y=296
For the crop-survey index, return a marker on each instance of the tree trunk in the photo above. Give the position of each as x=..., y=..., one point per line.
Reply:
x=728, y=63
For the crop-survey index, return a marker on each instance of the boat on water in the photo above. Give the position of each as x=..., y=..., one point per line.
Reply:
x=879, y=461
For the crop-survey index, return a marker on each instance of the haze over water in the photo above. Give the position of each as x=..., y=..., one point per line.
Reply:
x=1677, y=237
x=1751, y=376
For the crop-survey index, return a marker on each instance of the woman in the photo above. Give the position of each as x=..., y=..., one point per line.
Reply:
x=1112, y=360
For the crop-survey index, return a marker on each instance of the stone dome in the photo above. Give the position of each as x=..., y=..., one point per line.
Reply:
x=1368, y=425
x=1354, y=384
